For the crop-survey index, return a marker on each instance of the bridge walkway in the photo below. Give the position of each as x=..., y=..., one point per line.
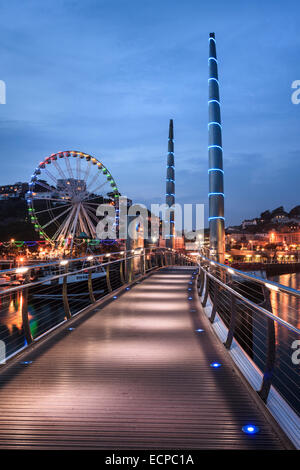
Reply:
x=133, y=374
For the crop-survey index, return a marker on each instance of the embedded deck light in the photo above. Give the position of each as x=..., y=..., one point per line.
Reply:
x=250, y=429
x=64, y=262
x=215, y=365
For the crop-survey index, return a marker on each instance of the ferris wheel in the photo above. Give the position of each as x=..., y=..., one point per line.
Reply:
x=64, y=193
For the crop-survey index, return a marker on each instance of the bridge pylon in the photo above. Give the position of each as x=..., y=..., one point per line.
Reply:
x=170, y=185
x=215, y=157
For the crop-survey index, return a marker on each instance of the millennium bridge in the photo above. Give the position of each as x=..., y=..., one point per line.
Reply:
x=148, y=348
x=152, y=351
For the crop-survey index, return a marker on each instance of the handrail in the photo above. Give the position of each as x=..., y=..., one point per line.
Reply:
x=251, y=277
x=62, y=300
x=223, y=303
x=70, y=260
x=254, y=305
x=61, y=275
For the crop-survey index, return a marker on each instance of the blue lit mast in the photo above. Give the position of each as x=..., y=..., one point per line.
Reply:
x=170, y=184
x=215, y=156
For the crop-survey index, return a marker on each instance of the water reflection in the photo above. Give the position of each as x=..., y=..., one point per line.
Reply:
x=287, y=307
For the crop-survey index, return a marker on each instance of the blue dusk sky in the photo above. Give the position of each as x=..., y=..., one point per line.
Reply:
x=105, y=76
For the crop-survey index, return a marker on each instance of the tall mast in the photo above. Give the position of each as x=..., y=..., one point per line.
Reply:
x=170, y=184
x=215, y=157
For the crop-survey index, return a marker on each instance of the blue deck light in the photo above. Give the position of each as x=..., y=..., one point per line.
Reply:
x=250, y=429
x=216, y=365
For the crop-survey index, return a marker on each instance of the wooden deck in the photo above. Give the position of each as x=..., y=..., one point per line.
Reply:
x=133, y=375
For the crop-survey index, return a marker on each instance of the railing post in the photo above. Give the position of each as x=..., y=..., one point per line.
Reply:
x=232, y=322
x=65, y=294
x=144, y=261
x=129, y=268
x=121, y=272
x=108, y=279
x=271, y=351
x=202, y=279
x=90, y=287
x=25, y=317
x=155, y=259
x=150, y=261
x=206, y=291
x=215, y=303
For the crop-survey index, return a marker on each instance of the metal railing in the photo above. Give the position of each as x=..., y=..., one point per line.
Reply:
x=38, y=298
x=260, y=319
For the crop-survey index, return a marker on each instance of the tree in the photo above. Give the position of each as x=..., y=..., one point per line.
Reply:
x=266, y=215
x=295, y=212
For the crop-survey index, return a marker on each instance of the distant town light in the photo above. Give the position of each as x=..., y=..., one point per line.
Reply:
x=22, y=270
